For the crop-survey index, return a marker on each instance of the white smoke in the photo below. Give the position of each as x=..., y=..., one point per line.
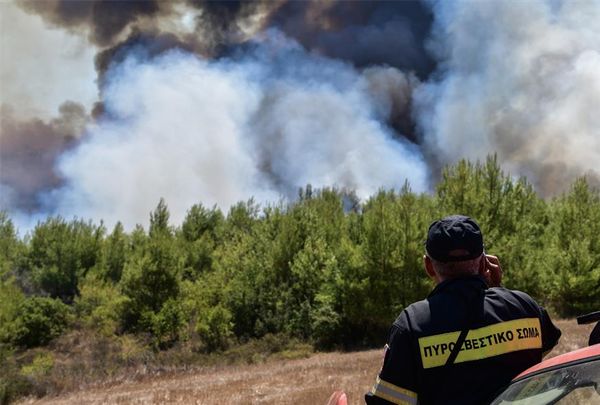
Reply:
x=218, y=132
x=520, y=78
x=42, y=67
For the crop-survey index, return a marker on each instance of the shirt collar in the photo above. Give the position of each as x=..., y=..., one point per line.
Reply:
x=460, y=283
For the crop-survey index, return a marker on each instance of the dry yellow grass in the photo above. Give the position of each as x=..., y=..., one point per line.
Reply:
x=303, y=381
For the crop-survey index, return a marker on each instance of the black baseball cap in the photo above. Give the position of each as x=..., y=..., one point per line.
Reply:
x=454, y=239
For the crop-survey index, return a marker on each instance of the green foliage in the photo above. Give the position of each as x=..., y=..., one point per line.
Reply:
x=249, y=283
x=327, y=270
x=41, y=365
x=575, y=254
x=115, y=253
x=390, y=259
x=200, y=232
x=99, y=304
x=150, y=279
x=10, y=246
x=159, y=220
x=38, y=320
x=200, y=221
x=215, y=328
x=60, y=253
x=208, y=318
x=325, y=321
x=241, y=217
x=312, y=266
x=167, y=324
x=11, y=299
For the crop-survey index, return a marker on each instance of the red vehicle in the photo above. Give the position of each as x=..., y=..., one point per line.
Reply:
x=570, y=378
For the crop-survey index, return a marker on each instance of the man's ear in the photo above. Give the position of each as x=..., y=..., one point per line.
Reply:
x=429, y=267
x=482, y=266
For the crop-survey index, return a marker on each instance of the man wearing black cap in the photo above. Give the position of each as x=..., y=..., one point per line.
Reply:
x=470, y=336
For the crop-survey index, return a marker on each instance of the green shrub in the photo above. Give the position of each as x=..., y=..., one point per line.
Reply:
x=325, y=322
x=215, y=328
x=150, y=279
x=11, y=298
x=99, y=304
x=41, y=365
x=60, y=253
x=38, y=321
x=167, y=324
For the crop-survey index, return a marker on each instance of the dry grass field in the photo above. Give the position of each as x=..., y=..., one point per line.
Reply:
x=301, y=381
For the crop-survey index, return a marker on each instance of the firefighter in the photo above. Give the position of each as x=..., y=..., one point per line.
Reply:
x=470, y=336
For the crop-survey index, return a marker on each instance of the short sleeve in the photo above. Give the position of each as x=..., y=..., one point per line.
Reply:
x=550, y=333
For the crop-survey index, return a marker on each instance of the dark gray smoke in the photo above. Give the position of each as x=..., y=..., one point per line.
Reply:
x=28, y=153
x=366, y=33
x=102, y=21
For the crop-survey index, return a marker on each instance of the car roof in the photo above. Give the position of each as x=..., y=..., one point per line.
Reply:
x=584, y=354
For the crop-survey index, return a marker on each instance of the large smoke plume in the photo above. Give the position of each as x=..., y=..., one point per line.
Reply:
x=215, y=102
x=262, y=124
x=518, y=78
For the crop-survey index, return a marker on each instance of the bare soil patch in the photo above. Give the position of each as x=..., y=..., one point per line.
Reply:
x=301, y=381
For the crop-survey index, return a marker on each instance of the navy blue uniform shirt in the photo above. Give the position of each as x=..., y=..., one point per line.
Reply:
x=507, y=333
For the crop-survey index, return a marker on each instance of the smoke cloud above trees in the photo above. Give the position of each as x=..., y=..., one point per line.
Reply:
x=108, y=106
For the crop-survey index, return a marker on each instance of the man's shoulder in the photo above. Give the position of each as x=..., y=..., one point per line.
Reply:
x=506, y=292
x=513, y=301
x=411, y=313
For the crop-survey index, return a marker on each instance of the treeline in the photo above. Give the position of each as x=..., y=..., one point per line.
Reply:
x=326, y=269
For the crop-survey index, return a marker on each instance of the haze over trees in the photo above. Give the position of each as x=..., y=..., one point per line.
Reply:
x=327, y=269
